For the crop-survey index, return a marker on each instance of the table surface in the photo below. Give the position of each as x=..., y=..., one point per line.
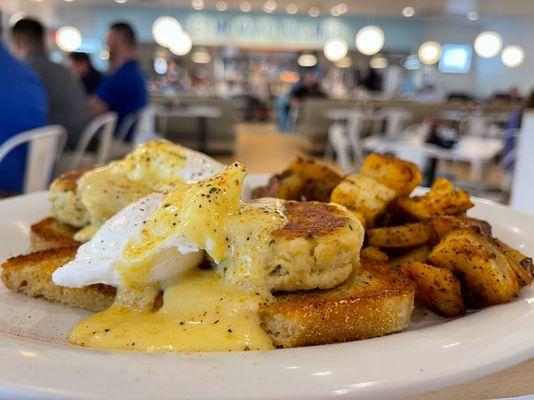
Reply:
x=192, y=112
x=468, y=148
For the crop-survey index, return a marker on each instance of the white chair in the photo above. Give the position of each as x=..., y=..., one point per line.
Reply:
x=143, y=124
x=104, y=126
x=395, y=118
x=44, y=147
x=339, y=143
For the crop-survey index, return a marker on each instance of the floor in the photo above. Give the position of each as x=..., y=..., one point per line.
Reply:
x=263, y=149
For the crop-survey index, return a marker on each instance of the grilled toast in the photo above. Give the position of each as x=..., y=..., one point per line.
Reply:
x=31, y=275
x=375, y=302
x=49, y=233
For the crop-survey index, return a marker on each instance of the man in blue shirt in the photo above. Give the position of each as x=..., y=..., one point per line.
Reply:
x=124, y=91
x=24, y=106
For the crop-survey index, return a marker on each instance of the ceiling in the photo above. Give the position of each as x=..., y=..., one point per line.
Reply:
x=423, y=8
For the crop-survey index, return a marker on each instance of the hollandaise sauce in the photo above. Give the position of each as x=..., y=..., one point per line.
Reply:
x=203, y=310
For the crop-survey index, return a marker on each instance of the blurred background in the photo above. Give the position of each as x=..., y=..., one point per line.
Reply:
x=444, y=83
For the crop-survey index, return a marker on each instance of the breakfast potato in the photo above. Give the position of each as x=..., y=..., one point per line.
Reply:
x=523, y=267
x=442, y=199
x=399, y=175
x=366, y=195
x=487, y=271
x=374, y=253
x=418, y=254
x=436, y=287
x=286, y=185
x=407, y=235
x=444, y=224
x=318, y=179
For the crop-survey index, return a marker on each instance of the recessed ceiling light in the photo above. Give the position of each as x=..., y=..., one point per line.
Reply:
x=314, y=11
x=221, y=5
x=292, y=8
x=116, y=1
x=472, y=16
x=197, y=4
x=488, y=44
x=68, y=1
x=245, y=6
x=408, y=11
x=335, y=11
x=512, y=56
x=270, y=6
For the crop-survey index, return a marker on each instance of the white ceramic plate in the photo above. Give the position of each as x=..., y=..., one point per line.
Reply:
x=35, y=361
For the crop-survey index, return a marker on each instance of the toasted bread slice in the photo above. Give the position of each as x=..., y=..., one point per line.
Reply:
x=375, y=302
x=31, y=275
x=50, y=233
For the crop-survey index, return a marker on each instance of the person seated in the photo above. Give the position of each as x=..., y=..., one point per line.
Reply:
x=81, y=67
x=24, y=105
x=124, y=91
x=67, y=102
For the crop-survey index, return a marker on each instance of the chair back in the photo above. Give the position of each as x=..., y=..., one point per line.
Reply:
x=340, y=144
x=145, y=129
x=355, y=122
x=105, y=126
x=126, y=125
x=44, y=147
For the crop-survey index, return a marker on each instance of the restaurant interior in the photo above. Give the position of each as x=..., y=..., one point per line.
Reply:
x=446, y=84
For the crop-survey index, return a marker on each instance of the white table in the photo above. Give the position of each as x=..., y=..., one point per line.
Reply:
x=201, y=113
x=477, y=151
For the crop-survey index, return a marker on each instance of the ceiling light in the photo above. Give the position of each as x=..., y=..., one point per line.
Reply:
x=335, y=49
x=408, y=11
x=104, y=54
x=221, y=5
x=512, y=56
x=472, y=16
x=165, y=29
x=201, y=57
x=116, y=1
x=68, y=1
x=379, y=62
x=181, y=44
x=68, y=38
x=292, y=8
x=307, y=60
x=342, y=8
x=488, y=44
x=345, y=63
x=269, y=6
x=429, y=53
x=314, y=12
x=334, y=11
x=197, y=4
x=160, y=65
x=370, y=40
x=245, y=6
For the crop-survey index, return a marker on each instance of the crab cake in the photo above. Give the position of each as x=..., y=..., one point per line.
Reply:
x=67, y=206
x=318, y=247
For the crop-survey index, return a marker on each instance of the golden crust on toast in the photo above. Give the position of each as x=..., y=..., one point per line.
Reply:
x=375, y=302
x=50, y=233
x=31, y=275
